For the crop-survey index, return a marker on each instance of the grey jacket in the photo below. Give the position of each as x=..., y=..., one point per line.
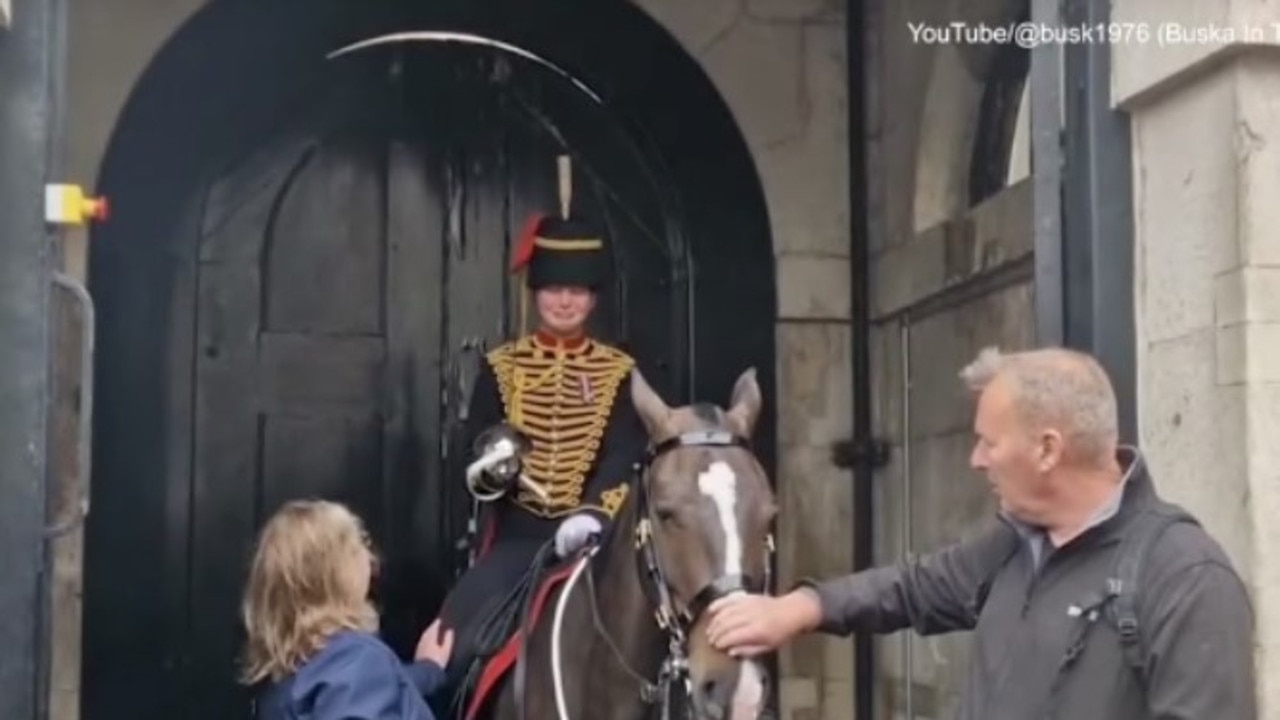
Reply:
x=1035, y=655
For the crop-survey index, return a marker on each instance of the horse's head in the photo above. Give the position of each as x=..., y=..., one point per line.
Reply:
x=706, y=511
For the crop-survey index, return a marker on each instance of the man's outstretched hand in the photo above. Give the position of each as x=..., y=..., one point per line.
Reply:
x=747, y=625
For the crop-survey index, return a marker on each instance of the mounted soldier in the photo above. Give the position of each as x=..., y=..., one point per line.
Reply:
x=561, y=397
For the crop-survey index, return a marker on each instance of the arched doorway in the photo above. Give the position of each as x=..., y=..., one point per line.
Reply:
x=306, y=259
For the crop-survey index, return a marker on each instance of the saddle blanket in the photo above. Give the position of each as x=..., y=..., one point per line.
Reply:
x=501, y=663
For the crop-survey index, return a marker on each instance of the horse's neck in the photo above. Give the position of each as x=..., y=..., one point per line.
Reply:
x=624, y=605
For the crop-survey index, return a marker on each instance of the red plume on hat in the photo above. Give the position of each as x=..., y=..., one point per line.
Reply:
x=523, y=252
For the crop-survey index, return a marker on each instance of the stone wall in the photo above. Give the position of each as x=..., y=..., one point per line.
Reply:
x=780, y=65
x=111, y=44
x=949, y=278
x=1205, y=125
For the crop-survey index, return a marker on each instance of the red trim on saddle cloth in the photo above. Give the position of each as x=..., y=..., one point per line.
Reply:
x=487, y=536
x=503, y=661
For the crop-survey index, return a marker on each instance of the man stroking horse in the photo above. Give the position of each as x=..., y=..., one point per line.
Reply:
x=624, y=636
x=559, y=389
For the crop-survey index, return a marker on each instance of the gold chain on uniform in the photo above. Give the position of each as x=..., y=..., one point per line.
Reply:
x=542, y=394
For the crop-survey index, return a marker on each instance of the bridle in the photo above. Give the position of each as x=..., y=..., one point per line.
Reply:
x=674, y=618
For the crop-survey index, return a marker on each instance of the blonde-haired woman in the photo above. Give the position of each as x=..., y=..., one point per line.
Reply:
x=311, y=643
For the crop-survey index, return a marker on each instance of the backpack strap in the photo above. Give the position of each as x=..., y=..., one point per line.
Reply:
x=1008, y=545
x=1124, y=583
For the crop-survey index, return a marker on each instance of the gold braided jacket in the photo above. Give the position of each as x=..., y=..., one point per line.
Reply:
x=561, y=397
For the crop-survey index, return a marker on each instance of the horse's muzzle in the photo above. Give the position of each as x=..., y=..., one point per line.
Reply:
x=735, y=692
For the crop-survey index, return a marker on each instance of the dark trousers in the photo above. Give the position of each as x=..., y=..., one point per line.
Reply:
x=483, y=592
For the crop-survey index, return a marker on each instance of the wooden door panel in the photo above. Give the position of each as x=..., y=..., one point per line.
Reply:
x=224, y=483
x=321, y=420
x=320, y=373
x=325, y=255
x=334, y=457
x=245, y=196
x=289, y=377
x=414, y=220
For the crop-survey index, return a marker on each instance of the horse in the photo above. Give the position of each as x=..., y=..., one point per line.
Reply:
x=619, y=632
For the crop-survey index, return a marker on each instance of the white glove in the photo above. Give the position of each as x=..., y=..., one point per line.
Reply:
x=574, y=532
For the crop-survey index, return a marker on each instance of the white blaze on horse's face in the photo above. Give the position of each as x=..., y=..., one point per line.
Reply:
x=719, y=483
x=748, y=698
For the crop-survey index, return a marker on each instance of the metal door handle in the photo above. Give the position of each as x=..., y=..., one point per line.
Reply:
x=85, y=428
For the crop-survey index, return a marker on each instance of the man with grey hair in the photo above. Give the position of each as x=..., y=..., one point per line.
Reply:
x=1090, y=598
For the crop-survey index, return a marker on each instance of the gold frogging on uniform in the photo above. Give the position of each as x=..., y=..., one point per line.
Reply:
x=542, y=391
x=611, y=500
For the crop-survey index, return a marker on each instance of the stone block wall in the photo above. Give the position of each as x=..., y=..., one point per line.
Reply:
x=929, y=242
x=1205, y=124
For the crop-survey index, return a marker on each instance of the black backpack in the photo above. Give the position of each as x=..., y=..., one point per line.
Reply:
x=1124, y=586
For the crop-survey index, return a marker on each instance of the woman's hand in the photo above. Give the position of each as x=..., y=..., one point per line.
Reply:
x=435, y=645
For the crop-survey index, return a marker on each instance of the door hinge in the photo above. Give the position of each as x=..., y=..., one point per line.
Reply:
x=854, y=452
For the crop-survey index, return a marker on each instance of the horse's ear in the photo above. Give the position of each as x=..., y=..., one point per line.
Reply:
x=744, y=405
x=652, y=410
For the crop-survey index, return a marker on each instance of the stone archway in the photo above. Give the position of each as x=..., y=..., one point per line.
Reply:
x=195, y=155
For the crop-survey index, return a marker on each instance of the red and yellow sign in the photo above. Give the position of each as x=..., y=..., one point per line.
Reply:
x=69, y=205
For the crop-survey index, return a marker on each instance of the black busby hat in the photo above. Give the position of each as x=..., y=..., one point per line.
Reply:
x=564, y=250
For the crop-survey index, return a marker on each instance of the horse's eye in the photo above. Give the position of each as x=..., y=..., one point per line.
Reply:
x=665, y=514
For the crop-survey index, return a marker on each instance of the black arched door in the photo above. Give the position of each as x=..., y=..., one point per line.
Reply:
x=308, y=256
x=350, y=273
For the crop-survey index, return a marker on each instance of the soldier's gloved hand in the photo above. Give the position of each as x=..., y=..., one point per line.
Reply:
x=574, y=532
